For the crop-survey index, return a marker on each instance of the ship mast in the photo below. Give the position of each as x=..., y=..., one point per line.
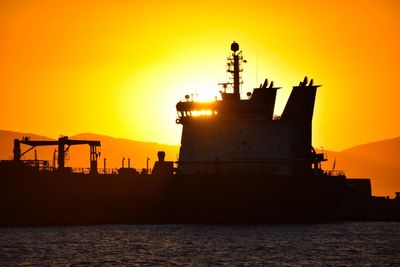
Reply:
x=234, y=68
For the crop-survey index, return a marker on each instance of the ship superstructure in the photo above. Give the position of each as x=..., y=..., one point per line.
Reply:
x=234, y=135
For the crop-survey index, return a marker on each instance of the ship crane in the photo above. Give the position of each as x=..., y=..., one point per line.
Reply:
x=63, y=144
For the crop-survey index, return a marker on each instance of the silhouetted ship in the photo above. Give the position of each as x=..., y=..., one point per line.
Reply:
x=238, y=163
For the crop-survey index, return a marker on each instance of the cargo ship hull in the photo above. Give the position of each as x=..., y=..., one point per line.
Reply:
x=69, y=199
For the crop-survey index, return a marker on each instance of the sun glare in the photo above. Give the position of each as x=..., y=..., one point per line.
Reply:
x=203, y=112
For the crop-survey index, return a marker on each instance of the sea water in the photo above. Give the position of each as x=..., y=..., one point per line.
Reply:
x=332, y=244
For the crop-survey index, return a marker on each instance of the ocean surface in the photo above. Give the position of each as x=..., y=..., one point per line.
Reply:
x=333, y=244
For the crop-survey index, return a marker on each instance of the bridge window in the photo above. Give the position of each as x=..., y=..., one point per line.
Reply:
x=203, y=112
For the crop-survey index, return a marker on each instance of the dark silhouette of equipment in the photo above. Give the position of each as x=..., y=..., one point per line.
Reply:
x=63, y=144
x=162, y=167
x=234, y=67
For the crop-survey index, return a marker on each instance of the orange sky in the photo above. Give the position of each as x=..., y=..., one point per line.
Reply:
x=119, y=67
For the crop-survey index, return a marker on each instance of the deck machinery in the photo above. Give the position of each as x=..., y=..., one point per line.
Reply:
x=63, y=144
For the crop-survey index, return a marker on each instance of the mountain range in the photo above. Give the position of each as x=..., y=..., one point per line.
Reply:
x=379, y=160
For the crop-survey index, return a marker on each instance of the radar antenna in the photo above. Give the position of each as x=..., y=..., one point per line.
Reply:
x=233, y=66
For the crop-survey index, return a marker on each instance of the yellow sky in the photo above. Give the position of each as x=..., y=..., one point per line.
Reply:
x=119, y=67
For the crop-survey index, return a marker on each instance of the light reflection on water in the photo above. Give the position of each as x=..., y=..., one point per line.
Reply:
x=351, y=243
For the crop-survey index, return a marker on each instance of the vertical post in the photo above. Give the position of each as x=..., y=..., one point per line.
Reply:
x=61, y=154
x=123, y=161
x=93, y=158
x=236, y=69
x=36, y=160
x=236, y=77
x=129, y=162
x=54, y=159
x=17, y=150
x=105, y=168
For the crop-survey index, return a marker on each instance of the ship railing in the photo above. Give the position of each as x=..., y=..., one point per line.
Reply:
x=81, y=170
x=99, y=170
x=108, y=170
x=115, y=171
x=39, y=165
x=112, y=171
x=335, y=173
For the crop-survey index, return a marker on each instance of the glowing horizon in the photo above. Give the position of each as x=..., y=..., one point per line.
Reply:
x=118, y=68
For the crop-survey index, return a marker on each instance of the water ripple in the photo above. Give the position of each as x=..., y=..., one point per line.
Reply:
x=344, y=244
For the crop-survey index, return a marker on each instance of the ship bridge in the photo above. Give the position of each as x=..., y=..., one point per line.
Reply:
x=243, y=135
x=259, y=105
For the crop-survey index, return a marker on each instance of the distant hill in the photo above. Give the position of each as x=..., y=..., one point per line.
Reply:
x=387, y=151
x=7, y=143
x=379, y=161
